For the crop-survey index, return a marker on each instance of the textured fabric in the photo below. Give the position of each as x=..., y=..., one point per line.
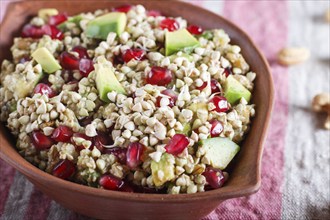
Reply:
x=296, y=159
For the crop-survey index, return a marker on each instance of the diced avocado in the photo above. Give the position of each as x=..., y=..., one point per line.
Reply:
x=47, y=61
x=186, y=129
x=75, y=19
x=187, y=56
x=234, y=91
x=165, y=167
x=45, y=13
x=106, y=80
x=220, y=151
x=197, y=105
x=180, y=40
x=101, y=26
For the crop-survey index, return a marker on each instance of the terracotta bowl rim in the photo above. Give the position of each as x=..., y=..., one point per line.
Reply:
x=225, y=192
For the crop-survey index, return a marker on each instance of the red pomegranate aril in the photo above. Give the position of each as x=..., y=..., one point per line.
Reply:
x=227, y=72
x=57, y=19
x=136, y=54
x=214, y=177
x=216, y=128
x=44, y=89
x=215, y=87
x=126, y=188
x=64, y=169
x=102, y=139
x=118, y=152
x=195, y=29
x=202, y=86
x=169, y=24
x=171, y=95
x=177, y=144
x=160, y=76
x=62, y=134
x=86, y=66
x=32, y=31
x=82, y=51
x=69, y=61
x=221, y=104
x=154, y=13
x=123, y=8
x=53, y=32
x=41, y=141
x=133, y=154
x=110, y=182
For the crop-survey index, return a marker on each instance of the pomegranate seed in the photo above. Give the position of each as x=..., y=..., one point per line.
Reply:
x=177, y=144
x=214, y=177
x=133, y=155
x=227, y=72
x=69, y=61
x=32, y=31
x=169, y=24
x=62, y=134
x=123, y=8
x=110, y=182
x=172, y=97
x=86, y=66
x=195, y=29
x=126, y=188
x=64, y=169
x=118, y=152
x=215, y=86
x=221, y=104
x=41, y=141
x=102, y=139
x=44, y=89
x=159, y=76
x=53, y=32
x=136, y=54
x=153, y=13
x=216, y=128
x=57, y=19
x=82, y=51
x=202, y=86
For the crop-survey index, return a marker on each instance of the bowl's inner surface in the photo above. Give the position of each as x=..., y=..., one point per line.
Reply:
x=245, y=170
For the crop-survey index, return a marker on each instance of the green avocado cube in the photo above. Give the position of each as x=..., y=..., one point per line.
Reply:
x=165, y=167
x=234, y=91
x=180, y=40
x=47, y=61
x=220, y=151
x=101, y=26
x=75, y=19
x=106, y=80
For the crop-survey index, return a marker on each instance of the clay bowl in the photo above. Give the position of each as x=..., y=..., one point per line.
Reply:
x=245, y=171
